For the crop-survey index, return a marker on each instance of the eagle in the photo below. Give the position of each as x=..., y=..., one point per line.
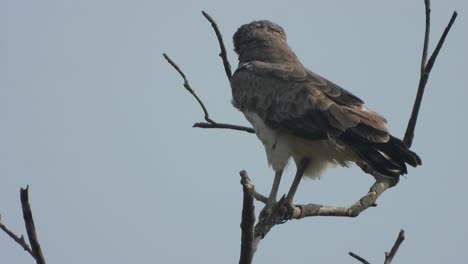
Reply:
x=302, y=116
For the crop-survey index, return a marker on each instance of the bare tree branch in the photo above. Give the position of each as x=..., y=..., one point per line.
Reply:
x=223, y=54
x=17, y=239
x=224, y=126
x=248, y=220
x=210, y=122
x=425, y=71
x=35, y=249
x=30, y=228
x=432, y=59
x=427, y=5
x=368, y=200
x=189, y=89
x=388, y=256
x=359, y=258
x=299, y=211
x=393, y=251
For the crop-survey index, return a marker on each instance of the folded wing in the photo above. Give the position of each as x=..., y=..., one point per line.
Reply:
x=294, y=100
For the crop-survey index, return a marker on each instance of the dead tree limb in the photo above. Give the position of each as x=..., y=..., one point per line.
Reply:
x=396, y=246
x=388, y=256
x=359, y=258
x=210, y=123
x=30, y=227
x=19, y=240
x=425, y=71
x=299, y=211
x=247, y=221
x=223, y=54
x=35, y=248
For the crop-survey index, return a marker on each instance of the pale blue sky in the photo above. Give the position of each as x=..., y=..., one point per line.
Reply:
x=99, y=126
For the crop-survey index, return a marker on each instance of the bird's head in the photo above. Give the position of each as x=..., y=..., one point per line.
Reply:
x=257, y=32
x=262, y=40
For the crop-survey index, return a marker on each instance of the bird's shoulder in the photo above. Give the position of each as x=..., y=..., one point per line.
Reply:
x=256, y=78
x=290, y=72
x=292, y=98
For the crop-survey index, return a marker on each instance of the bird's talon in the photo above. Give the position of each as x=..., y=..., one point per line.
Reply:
x=286, y=209
x=267, y=211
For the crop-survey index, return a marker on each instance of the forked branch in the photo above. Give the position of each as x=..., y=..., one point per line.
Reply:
x=210, y=123
x=425, y=71
x=35, y=248
x=388, y=256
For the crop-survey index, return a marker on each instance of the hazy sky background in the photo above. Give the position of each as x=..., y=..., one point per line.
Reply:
x=99, y=126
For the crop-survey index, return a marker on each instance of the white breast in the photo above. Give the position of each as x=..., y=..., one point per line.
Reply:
x=280, y=147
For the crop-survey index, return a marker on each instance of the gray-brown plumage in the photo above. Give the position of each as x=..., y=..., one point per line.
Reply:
x=297, y=113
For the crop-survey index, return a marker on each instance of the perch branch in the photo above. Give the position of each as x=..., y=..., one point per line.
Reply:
x=425, y=71
x=396, y=246
x=210, y=123
x=30, y=228
x=17, y=239
x=300, y=211
x=368, y=200
x=248, y=220
x=223, y=54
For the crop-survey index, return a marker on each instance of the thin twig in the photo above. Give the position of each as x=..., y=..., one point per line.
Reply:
x=393, y=251
x=30, y=228
x=248, y=221
x=223, y=54
x=409, y=134
x=359, y=258
x=224, y=126
x=210, y=122
x=17, y=239
x=427, y=4
x=189, y=89
x=388, y=256
x=227, y=68
x=432, y=59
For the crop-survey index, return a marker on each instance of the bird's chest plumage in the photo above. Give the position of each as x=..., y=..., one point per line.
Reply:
x=280, y=147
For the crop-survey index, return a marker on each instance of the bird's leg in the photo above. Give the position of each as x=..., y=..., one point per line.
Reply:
x=287, y=201
x=271, y=202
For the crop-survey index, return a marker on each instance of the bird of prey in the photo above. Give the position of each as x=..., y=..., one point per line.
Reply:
x=300, y=115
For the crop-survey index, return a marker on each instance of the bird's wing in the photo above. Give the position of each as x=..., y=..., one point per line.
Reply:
x=295, y=100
